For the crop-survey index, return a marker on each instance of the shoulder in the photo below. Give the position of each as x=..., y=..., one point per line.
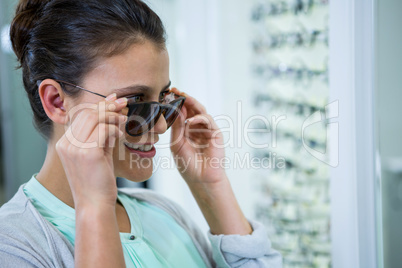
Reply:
x=26, y=237
x=18, y=221
x=20, y=235
x=14, y=211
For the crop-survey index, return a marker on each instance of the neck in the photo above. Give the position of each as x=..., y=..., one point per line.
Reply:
x=53, y=177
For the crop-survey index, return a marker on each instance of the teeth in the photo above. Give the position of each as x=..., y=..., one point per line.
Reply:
x=147, y=147
x=143, y=148
x=133, y=146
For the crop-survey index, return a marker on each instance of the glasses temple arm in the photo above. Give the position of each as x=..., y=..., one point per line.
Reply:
x=103, y=96
x=67, y=83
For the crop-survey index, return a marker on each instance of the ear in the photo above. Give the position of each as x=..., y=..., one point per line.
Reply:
x=53, y=102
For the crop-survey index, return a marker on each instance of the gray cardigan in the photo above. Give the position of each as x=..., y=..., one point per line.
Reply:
x=28, y=240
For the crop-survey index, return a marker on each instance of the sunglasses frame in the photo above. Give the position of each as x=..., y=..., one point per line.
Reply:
x=131, y=106
x=162, y=107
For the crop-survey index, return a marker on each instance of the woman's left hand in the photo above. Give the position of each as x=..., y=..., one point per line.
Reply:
x=197, y=144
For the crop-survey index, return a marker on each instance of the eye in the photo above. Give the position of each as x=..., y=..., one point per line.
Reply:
x=163, y=95
x=136, y=98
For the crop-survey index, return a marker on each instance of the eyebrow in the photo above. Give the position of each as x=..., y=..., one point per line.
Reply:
x=139, y=89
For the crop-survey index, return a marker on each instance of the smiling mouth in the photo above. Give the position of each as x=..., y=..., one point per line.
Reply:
x=139, y=147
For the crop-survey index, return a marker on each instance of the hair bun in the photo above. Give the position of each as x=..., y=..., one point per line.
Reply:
x=27, y=14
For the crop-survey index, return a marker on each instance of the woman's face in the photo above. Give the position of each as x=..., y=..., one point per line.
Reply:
x=143, y=71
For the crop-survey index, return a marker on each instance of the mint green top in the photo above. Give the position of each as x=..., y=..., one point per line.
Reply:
x=156, y=240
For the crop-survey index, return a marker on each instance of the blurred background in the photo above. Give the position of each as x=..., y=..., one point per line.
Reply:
x=307, y=95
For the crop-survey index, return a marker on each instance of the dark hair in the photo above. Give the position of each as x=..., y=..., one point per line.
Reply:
x=62, y=39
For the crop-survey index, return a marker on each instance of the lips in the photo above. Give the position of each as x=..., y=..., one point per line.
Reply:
x=142, y=150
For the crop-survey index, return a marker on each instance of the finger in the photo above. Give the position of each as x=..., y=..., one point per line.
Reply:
x=177, y=129
x=111, y=142
x=83, y=125
x=191, y=103
x=202, y=119
x=80, y=132
x=110, y=104
x=106, y=135
x=111, y=97
x=86, y=121
x=88, y=115
x=200, y=129
x=112, y=118
x=176, y=91
x=113, y=105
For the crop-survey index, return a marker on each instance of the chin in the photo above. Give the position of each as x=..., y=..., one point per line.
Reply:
x=131, y=166
x=135, y=172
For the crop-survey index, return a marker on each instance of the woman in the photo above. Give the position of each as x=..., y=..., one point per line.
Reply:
x=97, y=76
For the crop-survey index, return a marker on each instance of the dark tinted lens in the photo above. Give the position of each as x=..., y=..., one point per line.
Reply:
x=141, y=118
x=172, y=110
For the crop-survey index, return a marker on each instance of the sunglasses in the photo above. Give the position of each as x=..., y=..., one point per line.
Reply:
x=142, y=116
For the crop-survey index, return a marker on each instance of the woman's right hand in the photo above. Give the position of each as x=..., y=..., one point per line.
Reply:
x=86, y=153
x=86, y=149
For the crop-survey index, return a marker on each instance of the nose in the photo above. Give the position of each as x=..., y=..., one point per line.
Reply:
x=160, y=126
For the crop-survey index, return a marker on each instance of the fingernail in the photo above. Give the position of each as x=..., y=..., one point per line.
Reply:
x=111, y=97
x=121, y=100
x=121, y=133
x=124, y=118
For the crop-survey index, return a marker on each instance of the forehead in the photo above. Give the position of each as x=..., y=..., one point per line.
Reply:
x=141, y=65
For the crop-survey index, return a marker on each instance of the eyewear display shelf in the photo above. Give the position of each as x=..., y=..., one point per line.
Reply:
x=290, y=74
